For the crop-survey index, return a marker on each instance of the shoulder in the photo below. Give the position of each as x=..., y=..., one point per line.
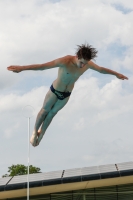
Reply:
x=65, y=59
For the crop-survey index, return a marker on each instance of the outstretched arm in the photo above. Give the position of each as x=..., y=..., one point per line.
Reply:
x=55, y=63
x=104, y=70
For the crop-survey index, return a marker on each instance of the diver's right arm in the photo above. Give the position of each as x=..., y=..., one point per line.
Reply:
x=52, y=64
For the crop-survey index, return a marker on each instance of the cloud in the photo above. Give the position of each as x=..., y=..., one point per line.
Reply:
x=9, y=132
x=128, y=60
x=80, y=124
x=106, y=150
x=7, y=101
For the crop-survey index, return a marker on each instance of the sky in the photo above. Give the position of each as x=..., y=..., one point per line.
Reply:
x=95, y=127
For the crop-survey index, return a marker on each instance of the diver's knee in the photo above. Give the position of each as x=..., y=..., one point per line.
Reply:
x=53, y=112
x=44, y=111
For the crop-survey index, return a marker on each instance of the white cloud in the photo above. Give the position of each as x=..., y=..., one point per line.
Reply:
x=80, y=124
x=13, y=102
x=9, y=132
x=127, y=63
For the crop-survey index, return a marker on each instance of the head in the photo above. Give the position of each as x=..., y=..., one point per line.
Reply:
x=86, y=52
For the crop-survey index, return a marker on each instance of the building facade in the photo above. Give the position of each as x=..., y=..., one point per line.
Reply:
x=109, y=182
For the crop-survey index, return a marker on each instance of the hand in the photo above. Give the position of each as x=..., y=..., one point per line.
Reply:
x=121, y=76
x=14, y=68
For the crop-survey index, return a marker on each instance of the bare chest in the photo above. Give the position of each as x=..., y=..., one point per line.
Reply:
x=69, y=75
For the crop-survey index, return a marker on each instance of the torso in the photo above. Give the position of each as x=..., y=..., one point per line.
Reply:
x=68, y=74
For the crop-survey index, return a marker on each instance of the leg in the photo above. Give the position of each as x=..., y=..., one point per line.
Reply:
x=57, y=106
x=49, y=101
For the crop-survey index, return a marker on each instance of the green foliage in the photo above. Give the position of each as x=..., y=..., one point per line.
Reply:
x=5, y=175
x=16, y=170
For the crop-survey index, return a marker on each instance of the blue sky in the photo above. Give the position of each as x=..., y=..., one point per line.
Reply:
x=124, y=10
x=95, y=127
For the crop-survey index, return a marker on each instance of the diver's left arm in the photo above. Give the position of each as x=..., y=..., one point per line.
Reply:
x=104, y=70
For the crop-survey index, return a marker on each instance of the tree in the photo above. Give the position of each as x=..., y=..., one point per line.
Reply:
x=16, y=170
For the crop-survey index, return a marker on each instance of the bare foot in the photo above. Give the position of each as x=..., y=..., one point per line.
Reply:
x=33, y=139
x=40, y=136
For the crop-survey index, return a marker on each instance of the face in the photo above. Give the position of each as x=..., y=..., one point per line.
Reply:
x=82, y=62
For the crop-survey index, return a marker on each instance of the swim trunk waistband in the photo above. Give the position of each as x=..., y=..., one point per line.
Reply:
x=60, y=95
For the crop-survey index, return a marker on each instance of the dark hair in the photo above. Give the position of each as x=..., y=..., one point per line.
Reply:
x=86, y=52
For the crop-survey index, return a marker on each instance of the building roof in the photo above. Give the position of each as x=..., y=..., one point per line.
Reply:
x=69, y=179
